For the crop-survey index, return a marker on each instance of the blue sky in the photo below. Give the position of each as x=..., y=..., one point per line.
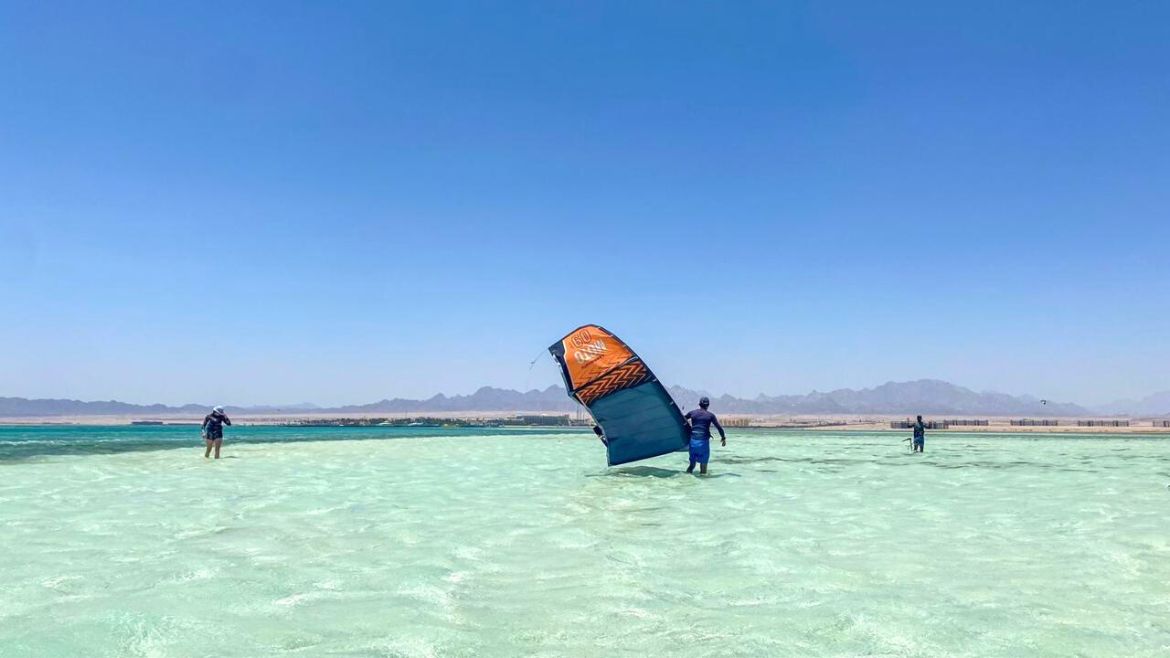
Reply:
x=339, y=202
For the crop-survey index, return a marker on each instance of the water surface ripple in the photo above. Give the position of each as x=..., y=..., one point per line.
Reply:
x=523, y=543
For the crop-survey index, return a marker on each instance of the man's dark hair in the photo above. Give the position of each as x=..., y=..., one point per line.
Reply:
x=919, y=417
x=704, y=402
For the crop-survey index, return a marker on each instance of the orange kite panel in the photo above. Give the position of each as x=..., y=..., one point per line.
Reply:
x=590, y=352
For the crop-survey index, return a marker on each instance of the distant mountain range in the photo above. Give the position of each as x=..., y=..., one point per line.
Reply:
x=925, y=396
x=1156, y=404
x=51, y=407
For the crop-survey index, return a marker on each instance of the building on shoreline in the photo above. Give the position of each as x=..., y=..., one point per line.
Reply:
x=538, y=420
x=909, y=425
x=1028, y=422
x=941, y=424
x=518, y=420
x=1102, y=423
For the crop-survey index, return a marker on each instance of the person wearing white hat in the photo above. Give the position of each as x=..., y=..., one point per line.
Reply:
x=212, y=430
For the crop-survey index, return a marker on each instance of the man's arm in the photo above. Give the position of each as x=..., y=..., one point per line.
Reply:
x=227, y=421
x=715, y=422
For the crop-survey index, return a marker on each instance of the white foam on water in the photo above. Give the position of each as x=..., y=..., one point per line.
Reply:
x=295, y=599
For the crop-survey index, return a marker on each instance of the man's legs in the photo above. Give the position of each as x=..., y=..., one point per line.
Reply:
x=691, y=468
x=218, y=443
x=207, y=453
x=701, y=453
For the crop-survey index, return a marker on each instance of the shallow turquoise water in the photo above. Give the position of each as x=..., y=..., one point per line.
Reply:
x=523, y=543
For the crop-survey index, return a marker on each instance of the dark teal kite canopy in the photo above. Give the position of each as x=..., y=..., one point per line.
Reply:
x=638, y=417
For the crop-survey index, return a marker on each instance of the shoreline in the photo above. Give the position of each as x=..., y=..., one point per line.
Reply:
x=731, y=422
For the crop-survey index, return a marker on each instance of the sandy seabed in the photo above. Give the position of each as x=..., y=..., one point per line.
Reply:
x=798, y=544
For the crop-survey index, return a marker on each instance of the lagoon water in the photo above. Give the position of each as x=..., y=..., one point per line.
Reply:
x=391, y=542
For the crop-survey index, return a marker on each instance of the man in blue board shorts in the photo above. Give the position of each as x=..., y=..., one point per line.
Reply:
x=919, y=435
x=701, y=421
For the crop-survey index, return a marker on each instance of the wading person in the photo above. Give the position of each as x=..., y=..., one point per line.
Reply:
x=919, y=435
x=701, y=421
x=213, y=430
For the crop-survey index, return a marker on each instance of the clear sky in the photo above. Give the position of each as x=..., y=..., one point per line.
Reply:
x=343, y=201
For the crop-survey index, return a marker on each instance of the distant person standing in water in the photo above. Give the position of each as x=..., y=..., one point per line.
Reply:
x=213, y=430
x=919, y=435
x=701, y=421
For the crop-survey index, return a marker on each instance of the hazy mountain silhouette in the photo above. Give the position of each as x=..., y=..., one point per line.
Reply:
x=53, y=407
x=926, y=396
x=1155, y=404
x=486, y=398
